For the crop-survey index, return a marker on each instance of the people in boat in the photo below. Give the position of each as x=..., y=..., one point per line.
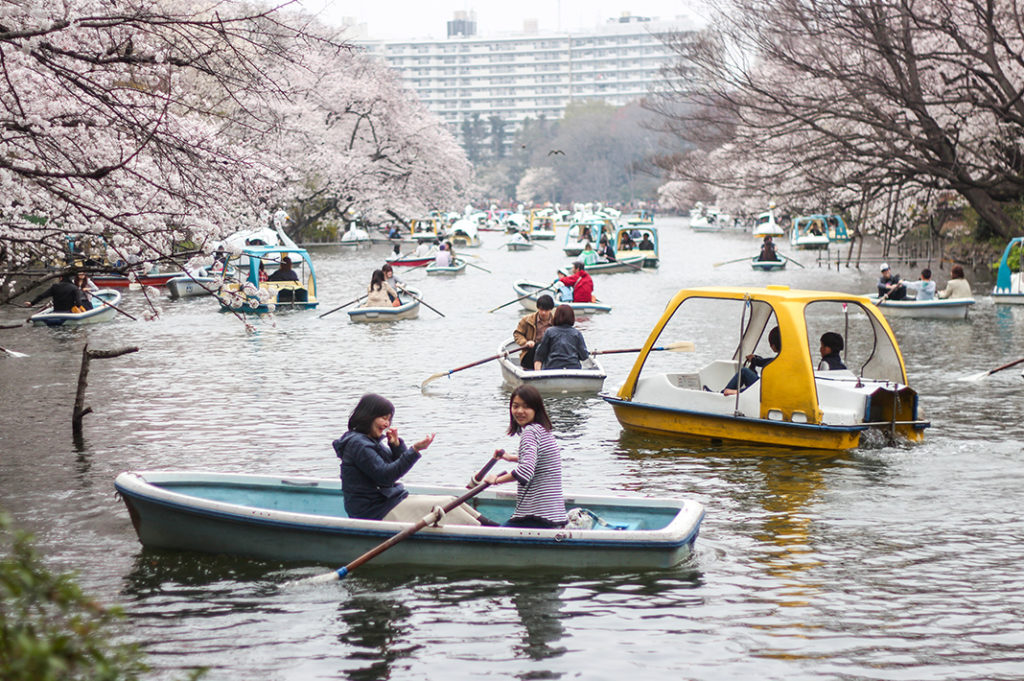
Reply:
x=424, y=249
x=538, y=472
x=379, y=293
x=605, y=250
x=66, y=296
x=562, y=345
x=443, y=257
x=262, y=274
x=577, y=287
x=768, y=250
x=588, y=256
x=923, y=288
x=521, y=237
x=957, y=286
x=831, y=346
x=646, y=244
x=373, y=458
x=389, y=276
x=627, y=243
x=889, y=285
x=284, y=272
x=394, y=232
x=531, y=329
x=748, y=374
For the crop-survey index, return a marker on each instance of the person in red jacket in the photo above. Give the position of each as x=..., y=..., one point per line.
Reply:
x=581, y=284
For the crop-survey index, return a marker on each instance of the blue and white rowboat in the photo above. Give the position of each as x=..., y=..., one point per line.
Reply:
x=409, y=309
x=103, y=302
x=946, y=308
x=303, y=519
x=529, y=291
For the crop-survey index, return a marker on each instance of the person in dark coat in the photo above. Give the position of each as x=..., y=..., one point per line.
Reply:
x=64, y=293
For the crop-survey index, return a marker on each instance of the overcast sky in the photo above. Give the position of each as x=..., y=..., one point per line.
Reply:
x=401, y=19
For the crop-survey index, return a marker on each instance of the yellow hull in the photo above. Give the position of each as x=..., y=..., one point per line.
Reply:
x=731, y=429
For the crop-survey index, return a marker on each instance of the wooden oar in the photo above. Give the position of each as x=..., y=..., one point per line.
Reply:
x=414, y=297
x=111, y=305
x=442, y=374
x=795, y=262
x=678, y=346
x=344, y=306
x=12, y=353
x=984, y=374
x=477, y=266
x=429, y=519
x=532, y=293
x=729, y=262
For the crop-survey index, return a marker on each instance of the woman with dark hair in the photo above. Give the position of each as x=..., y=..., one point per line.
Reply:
x=562, y=346
x=373, y=458
x=957, y=286
x=539, y=500
x=379, y=293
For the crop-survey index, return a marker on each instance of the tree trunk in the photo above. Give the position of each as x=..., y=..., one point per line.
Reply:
x=80, y=409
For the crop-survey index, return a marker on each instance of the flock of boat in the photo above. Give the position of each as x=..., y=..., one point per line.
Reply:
x=793, y=402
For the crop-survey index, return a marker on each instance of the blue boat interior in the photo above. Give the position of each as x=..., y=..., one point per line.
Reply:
x=310, y=498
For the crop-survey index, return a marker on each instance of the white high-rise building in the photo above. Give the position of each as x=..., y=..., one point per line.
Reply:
x=469, y=80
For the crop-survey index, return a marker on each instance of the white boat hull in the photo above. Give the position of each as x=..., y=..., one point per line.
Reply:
x=949, y=308
x=410, y=309
x=187, y=287
x=532, y=290
x=630, y=263
x=100, y=312
x=589, y=379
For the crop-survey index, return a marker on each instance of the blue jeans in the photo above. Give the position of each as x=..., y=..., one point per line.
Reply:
x=747, y=378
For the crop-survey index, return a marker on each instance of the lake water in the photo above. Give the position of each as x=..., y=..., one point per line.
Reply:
x=882, y=563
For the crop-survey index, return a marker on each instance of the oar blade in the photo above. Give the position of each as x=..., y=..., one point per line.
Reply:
x=682, y=346
x=974, y=378
x=13, y=353
x=433, y=377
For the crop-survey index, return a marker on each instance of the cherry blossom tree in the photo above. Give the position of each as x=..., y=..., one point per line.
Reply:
x=845, y=101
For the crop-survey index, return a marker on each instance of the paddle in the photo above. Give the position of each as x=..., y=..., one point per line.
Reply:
x=356, y=300
x=678, y=346
x=729, y=262
x=434, y=377
x=12, y=353
x=978, y=377
x=477, y=266
x=414, y=297
x=795, y=262
x=111, y=305
x=429, y=519
x=532, y=293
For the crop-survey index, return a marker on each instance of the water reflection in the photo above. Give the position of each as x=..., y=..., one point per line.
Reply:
x=539, y=605
x=375, y=632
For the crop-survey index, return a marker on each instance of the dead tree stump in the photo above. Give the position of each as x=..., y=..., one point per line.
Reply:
x=83, y=382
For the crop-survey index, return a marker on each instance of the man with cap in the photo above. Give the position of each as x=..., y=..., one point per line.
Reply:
x=889, y=285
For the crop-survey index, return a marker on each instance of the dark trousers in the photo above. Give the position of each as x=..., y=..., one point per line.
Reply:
x=533, y=521
x=527, y=361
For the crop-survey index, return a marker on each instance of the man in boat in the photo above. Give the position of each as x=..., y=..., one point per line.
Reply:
x=577, y=287
x=646, y=244
x=889, y=285
x=924, y=288
x=768, y=250
x=284, y=272
x=64, y=293
x=748, y=375
x=531, y=327
x=605, y=250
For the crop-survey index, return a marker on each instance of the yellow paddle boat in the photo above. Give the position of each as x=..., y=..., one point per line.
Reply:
x=800, y=399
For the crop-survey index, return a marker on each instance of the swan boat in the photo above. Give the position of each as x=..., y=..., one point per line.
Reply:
x=586, y=228
x=588, y=379
x=253, y=296
x=818, y=231
x=465, y=234
x=529, y=291
x=302, y=519
x=625, y=235
x=103, y=302
x=765, y=224
x=457, y=267
x=626, y=263
x=792, y=404
x=945, y=308
x=1009, y=288
x=409, y=308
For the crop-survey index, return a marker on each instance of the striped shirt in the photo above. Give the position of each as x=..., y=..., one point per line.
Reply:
x=539, y=474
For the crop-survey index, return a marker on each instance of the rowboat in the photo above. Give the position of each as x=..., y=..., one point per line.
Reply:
x=588, y=379
x=103, y=302
x=302, y=519
x=411, y=260
x=253, y=296
x=627, y=263
x=186, y=286
x=457, y=267
x=793, y=404
x=1009, y=288
x=767, y=265
x=529, y=291
x=519, y=245
x=948, y=308
x=409, y=309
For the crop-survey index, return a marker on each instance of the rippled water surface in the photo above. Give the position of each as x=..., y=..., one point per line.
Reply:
x=882, y=563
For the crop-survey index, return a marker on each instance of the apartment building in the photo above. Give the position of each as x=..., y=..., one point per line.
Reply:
x=501, y=81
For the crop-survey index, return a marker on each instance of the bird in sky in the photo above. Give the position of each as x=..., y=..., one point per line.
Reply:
x=553, y=152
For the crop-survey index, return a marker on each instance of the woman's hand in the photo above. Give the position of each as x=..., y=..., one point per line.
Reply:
x=424, y=443
x=392, y=434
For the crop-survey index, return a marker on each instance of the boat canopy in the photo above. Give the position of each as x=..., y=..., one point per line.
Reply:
x=1008, y=264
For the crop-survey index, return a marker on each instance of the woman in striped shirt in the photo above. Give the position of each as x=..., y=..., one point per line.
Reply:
x=539, y=502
